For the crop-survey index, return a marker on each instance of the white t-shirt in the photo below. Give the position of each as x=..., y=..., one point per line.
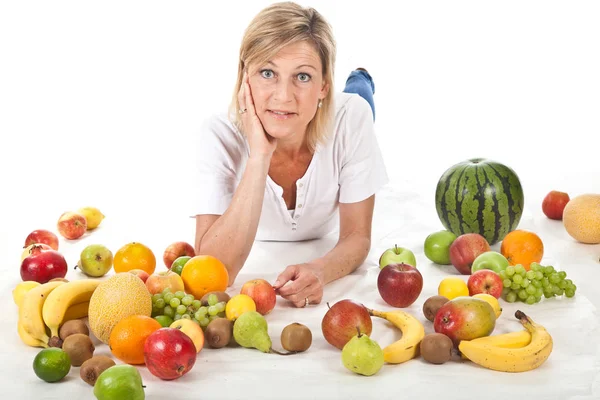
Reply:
x=348, y=169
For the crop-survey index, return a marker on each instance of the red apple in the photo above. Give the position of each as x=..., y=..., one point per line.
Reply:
x=169, y=353
x=465, y=318
x=43, y=266
x=485, y=281
x=262, y=293
x=140, y=273
x=71, y=225
x=42, y=236
x=158, y=281
x=175, y=250
x=34, y=249
x=341, y=320
x=465, y=249
x=554, y=203
x=400, y=284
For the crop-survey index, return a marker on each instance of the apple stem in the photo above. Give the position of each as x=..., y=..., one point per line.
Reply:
x=358, y=329
x=328, y=306
x=396, y=249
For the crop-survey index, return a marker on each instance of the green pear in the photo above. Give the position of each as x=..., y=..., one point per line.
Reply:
x=250, y=330
x=95, y=260
x=362, y=355
x=119, y=382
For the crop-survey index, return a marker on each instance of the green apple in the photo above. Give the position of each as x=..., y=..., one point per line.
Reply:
x=179, y=263
x=397, y=255
x=119, y=382
x=95, y=260
x=490, y=260
x=437, y=247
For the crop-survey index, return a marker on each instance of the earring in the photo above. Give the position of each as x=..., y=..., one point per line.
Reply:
x=320, y=103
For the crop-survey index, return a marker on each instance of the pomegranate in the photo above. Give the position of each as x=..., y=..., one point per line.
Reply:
x=169, y=353
x=43, y=265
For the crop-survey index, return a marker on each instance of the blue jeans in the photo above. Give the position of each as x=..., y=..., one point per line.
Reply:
x=361, y=83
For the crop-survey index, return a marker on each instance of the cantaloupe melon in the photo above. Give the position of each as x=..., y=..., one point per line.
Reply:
x=581, y=218
x=120, y=296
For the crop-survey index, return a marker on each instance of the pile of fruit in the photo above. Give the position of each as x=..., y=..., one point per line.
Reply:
x=143, y=314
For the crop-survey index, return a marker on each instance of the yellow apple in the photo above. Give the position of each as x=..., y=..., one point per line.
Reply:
x=192, y=330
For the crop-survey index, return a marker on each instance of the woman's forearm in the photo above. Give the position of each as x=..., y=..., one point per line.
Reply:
x=347, y=255
x=231, y=236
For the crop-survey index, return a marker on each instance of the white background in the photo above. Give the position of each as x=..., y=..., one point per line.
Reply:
x=100, y=103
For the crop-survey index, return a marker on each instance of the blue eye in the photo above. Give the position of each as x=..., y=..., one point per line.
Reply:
x=266, y=73
x=302, y=77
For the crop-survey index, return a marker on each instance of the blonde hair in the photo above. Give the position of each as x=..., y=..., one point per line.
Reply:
x=272, y=29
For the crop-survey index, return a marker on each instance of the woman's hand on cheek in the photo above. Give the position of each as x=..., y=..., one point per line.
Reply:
x=261, y=144
x=300, y=282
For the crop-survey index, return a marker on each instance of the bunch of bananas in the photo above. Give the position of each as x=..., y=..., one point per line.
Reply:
x=413, y=332
x=511, y=352
x=46, y=307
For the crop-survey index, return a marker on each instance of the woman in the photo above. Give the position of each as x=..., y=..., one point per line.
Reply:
x=290, y=155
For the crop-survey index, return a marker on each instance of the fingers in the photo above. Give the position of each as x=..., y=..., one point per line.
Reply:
x=249, y=101
x=241, y=93
x=288, y=274
x=294, y=283
x=313, y=293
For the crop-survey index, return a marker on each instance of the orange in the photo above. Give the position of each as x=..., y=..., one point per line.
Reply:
x=134, y=256
x=522, y=247
x=127, y=338
x=203, y=274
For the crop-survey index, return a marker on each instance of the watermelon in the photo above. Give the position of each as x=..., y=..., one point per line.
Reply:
x=480, y=196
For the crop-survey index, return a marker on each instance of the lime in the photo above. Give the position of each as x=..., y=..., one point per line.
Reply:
x=51, y=365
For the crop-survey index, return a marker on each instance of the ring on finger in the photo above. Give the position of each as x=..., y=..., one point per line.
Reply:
x=243, y=110
x=306, y=302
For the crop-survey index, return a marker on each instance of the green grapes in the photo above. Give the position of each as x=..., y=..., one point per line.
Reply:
x=530, y=286
x=180, y=305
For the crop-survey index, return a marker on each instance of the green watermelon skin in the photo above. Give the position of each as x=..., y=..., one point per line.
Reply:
x=480, y=196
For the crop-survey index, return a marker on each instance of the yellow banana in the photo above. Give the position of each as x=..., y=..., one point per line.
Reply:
x=30, y=312
x=77, y=311
x=413, y=332
x=519, y=359
x=511, y=340
x=27, y=339
x=63, y=298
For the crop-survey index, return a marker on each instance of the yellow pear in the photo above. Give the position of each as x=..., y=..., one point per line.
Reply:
x=92, y=215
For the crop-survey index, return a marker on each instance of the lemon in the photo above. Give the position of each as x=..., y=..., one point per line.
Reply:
x=453, y=287
x=52, y=364
x=21, y=290
x=237, y=305
x=92, y=215
x=492, y=302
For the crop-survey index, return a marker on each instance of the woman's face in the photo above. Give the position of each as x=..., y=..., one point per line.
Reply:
x=287, y=89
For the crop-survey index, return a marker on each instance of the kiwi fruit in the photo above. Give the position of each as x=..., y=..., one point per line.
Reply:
x=296, y=337
x=79, y=347
x=432, y=305
x=221, y=296
x=436, y=348
x=91, y=369
x=219, y=333
x=71, y=327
